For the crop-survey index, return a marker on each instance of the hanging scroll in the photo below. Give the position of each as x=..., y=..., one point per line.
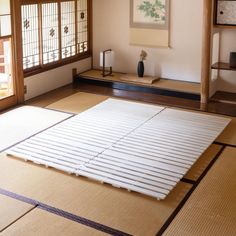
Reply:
x=149, y=23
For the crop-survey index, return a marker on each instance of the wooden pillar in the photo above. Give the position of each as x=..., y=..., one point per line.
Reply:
x=17, y=50
x=206, y=50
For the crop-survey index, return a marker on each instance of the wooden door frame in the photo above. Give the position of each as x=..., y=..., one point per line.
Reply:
x=17, y=59
x=17, y=50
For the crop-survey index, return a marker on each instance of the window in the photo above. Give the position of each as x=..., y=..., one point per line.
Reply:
x=54, y=32
x=6, y=81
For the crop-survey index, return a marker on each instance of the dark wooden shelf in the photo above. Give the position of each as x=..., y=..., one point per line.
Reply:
x=233, y=27
x=222, y=66
x=226, y=97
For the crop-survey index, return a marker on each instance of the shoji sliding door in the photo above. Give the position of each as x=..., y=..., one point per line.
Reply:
x=8, y=60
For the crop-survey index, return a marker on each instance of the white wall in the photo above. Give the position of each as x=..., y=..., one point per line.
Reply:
x=52, y=79
x=180, y=62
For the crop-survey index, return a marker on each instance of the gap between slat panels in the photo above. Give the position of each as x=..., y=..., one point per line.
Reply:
x=139, y=147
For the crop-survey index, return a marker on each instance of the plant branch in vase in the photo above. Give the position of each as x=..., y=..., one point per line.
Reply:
x=140, y=68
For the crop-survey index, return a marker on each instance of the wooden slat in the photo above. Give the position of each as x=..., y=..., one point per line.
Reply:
x=139, y=147
x=131, y=174
x=141, y=160
x=117, y=183
x=157, y=151
x=150, y=156
x=41, y=161
x=136, y=169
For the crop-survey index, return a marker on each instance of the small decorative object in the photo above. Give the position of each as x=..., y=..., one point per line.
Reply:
x=232, y=60
x=140, y=68
x=106, y=61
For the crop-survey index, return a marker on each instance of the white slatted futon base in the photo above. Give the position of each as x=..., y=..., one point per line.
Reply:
x=142, y=148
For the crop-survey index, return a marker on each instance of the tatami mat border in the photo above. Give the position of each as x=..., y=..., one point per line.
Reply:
x=188, y=181
x=67, y=215
x=225, y=144
x=182, y=203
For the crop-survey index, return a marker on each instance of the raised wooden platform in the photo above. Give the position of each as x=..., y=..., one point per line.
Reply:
x=148, y=84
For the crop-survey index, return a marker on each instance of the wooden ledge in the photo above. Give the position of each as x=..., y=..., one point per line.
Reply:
x=134, y=78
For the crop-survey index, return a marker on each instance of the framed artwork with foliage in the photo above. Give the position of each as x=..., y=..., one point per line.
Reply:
x=152, y=14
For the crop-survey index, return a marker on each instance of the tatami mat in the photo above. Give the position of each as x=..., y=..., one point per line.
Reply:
x=42, y=223
x=21, y=123
x=211, y=209
x=132, y=213
x=129, y=212
x=78, y=102
x=11, y=210
x=229, y=134
x=201, y=164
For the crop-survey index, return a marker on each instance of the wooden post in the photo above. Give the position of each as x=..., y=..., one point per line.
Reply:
x=206, y=50
x=17, y=50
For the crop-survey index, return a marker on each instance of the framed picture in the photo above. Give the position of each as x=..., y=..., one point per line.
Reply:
x=225, y=12
x=152, y=14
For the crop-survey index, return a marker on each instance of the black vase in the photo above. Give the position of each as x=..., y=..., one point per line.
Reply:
x=232, y=60
x=140, y=69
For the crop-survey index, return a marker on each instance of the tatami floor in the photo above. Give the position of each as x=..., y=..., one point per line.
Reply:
x=39, y=201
